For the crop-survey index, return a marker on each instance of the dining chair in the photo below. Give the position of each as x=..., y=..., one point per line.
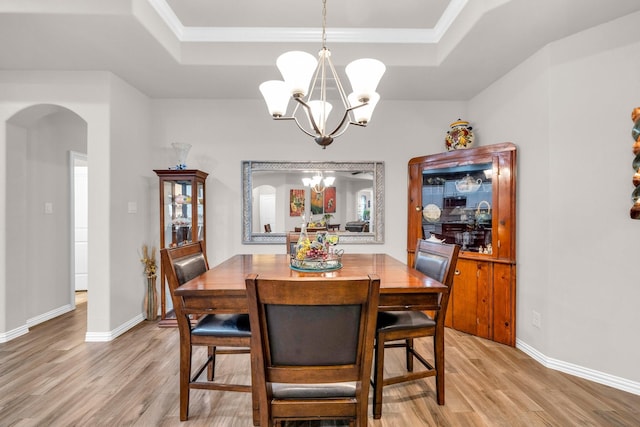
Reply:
x=438, y=261
x=313, y=346
x=231, y=331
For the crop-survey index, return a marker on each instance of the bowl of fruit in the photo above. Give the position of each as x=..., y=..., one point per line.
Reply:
x=317, y=255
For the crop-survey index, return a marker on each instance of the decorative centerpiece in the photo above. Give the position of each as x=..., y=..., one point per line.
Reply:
x=460, y=136
x=318, y=255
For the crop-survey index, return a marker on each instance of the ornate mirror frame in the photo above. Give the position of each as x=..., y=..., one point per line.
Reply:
x=376, y=168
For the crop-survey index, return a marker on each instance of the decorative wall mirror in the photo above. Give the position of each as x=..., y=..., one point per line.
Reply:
x=275, y=198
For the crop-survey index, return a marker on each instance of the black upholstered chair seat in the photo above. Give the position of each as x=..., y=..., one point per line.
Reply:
x=390, y=320
x=313, y=391
x=227, y=325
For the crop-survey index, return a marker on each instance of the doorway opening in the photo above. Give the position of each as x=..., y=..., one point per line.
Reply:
x=79, y=174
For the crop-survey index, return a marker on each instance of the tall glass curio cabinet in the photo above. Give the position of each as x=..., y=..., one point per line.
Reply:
x=468, y=197
x=182, y=219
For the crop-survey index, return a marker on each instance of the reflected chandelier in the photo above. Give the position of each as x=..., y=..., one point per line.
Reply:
x=299, y=68
x=318, y=184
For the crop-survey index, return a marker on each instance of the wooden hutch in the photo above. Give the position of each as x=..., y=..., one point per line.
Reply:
x=468, y=197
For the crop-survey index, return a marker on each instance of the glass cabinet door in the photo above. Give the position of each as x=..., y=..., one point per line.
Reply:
x=200, y=210
x=178, y=213
x=457, y=203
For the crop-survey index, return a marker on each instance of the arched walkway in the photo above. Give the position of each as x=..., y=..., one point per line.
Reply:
x=38, y=261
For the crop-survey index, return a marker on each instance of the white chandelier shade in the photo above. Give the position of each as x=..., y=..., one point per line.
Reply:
x=364, y=75
x=297, y=70
x=363, y=114
x=320, y=112
x=276, y=95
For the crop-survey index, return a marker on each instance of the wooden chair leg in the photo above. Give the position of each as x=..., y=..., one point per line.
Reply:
x=211, y=364
x=185, y=379
x=438, y=354
x=378, y=377
x=409, y=354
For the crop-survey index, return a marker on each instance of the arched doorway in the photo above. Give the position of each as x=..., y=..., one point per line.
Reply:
x=39, y=232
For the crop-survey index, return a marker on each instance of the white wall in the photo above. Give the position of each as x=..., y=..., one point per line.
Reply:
x=223, y=133
x=568, y=109
x=46, y=236
x=131, y=181
x=117, y=127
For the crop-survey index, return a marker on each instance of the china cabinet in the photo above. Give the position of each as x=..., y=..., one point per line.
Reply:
x=182, y=218
x=468, y=197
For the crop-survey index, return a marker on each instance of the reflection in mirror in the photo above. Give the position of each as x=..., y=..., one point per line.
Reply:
x=343, y=197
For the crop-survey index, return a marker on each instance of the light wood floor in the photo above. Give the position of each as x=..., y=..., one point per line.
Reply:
x=51, y=377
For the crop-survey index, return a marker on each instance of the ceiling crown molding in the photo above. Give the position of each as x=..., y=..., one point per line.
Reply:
x=298, y=35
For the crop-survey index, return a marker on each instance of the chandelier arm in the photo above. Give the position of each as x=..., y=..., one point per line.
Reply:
x=344, y=129
x=311, y=119
x=295, y=119
x=345, y=116
x=344, y=119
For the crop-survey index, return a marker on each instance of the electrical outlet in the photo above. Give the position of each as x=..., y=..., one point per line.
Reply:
x=535, y=319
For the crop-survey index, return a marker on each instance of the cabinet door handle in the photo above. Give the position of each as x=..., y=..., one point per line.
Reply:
x=418, y=208
x=457, y=272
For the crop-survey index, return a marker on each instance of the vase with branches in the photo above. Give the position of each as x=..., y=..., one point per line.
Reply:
x=148, y=260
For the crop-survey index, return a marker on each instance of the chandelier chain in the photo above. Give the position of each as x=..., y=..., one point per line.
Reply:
x=324, y=24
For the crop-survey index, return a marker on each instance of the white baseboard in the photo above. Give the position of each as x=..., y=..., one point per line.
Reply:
x=89, y=336
x=580, y=371
x=49, y=315
x=14, y=333
x=111, y=335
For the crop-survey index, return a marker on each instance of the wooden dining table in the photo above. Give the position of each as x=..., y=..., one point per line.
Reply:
x=222, y=289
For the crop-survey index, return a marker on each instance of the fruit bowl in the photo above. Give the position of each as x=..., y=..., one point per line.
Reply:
x=328, y=262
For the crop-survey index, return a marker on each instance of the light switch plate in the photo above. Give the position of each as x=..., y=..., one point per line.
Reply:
x=132, y=207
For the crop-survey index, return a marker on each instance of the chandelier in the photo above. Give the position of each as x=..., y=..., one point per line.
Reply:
x=306, y=80
x=318, y=183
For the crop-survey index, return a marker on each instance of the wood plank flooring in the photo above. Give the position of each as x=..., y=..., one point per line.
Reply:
x=51, y=377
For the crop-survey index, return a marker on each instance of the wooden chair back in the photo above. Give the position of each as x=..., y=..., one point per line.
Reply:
x=292, y=239
x=181, y=264
x=313, y=342
x=438, y=261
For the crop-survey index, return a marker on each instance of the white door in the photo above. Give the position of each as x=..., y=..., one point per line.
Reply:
x=267, y=210
x=81, y=225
